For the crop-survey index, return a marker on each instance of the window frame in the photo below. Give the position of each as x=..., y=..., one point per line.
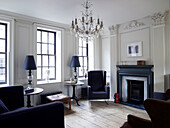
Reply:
x=6, y=38
x=83, y=57
x=41, y=54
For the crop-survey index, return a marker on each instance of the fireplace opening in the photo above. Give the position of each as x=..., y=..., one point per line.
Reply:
x=135, y=91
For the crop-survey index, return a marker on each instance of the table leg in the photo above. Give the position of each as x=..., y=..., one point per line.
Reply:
x=28, y=101
x=74, y=96
x=70, y=104
x=76, y=99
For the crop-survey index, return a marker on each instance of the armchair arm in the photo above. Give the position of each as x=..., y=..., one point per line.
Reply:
x=46, y=115
x=89, y=91
x=107, y=88
x=159, y=112
x=168, y=93
x=137, y=122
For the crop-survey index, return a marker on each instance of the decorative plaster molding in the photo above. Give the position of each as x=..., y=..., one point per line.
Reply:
x=133, y=24
x=159, y=18
x=113, y=29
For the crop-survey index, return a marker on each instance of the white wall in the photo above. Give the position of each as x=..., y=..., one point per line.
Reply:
x=167, y=30
x=24, y=43
x=131, y=37
x=155, y=44
x=106, y=54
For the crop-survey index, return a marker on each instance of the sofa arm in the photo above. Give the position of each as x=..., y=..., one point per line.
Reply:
x=12, y=96
x=46, y=115
x=137, y=122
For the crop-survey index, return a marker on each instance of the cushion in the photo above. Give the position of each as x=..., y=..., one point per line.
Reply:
x=97, y=80
x=3, y=108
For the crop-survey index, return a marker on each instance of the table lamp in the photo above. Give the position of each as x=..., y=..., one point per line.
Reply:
x=29, y=65
x=75, y=63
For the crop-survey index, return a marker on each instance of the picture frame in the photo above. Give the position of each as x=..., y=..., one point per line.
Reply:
x=134, y=49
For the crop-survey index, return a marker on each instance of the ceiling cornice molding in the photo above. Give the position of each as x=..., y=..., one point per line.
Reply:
x=25, y=18
x=159, y=18
x=133, y=24
x=149, y=21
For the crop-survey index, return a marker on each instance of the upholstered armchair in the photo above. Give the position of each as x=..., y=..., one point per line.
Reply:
x=97, y=88
x=158, y=111
x=14, y=114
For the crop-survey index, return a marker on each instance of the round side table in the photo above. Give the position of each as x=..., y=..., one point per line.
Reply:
x=35, y=92
x=69, y=83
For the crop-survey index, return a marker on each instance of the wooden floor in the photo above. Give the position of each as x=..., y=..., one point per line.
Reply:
x=97, y=114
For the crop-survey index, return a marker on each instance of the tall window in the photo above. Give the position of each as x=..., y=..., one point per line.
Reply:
x=85, y=56
x=46, y=55
x=3, y=53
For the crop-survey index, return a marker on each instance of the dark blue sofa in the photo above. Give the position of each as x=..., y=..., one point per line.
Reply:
x=49, y=115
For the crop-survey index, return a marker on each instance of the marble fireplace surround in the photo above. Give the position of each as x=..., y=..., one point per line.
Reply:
x=134, y=72
x=125, y=86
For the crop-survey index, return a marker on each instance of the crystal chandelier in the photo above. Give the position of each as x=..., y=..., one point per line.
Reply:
x=86, y=26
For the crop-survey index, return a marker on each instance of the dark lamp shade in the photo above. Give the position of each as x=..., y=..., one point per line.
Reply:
x=75, y=62
x=29, y=63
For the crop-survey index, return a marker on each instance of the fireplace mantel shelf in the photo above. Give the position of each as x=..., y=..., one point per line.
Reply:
x=135, y=66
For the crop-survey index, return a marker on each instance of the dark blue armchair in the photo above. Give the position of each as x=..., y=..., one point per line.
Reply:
x=42, y=116
x=97, y=88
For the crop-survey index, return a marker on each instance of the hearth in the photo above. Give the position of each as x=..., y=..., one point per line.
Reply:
x=135, y=91
x=135, y=84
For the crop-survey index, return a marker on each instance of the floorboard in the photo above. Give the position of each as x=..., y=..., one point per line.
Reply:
x=97, y=114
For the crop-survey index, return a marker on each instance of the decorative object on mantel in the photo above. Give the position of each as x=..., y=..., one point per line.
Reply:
x=134, y=49
x=29, y=65
x=124, y=62
x=87, y=26
x=108, y=83
x=75, y=63
x=159, y=18
x=141, y=62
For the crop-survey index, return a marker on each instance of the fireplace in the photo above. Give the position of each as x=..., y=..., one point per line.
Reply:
x=135, y=84
x=135, y=91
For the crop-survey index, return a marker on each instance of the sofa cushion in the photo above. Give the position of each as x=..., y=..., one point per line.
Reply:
x=3, y=108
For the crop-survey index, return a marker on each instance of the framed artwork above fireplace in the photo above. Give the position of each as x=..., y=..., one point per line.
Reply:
x=134, y=49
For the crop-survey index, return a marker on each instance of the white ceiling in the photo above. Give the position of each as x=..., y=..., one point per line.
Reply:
x=63, y=11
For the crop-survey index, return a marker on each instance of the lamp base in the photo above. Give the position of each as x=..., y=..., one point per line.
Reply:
x=75, y=75
x=30, y=78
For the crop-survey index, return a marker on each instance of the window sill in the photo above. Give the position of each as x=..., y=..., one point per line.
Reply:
x=47, y=82
x=4, y=85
